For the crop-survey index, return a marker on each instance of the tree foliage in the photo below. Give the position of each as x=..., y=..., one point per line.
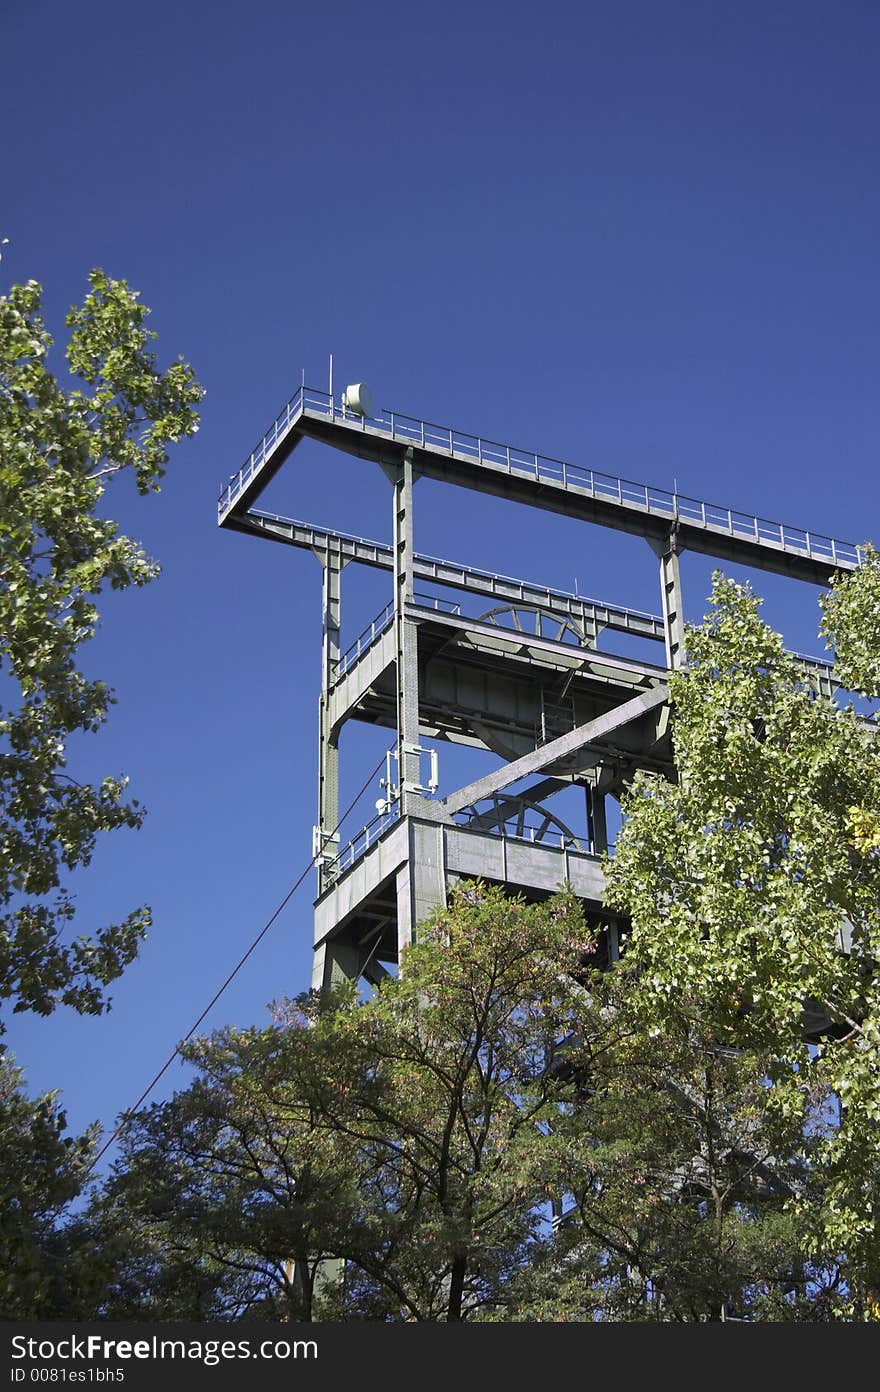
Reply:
x=41, y=1171
x=229, y=1193
x=676, y=1163
x=404, y=1135
x=59, y=448
x=755, y=898
x=850, y=622
x=421, y=1142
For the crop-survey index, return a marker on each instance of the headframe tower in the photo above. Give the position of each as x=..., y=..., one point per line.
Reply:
x=529, y=676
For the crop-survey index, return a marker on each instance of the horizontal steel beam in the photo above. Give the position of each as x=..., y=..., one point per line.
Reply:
x=571, y=500
x=450, y=574
x=525, y=476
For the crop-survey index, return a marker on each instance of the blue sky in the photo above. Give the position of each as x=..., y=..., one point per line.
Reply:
x=636, y=236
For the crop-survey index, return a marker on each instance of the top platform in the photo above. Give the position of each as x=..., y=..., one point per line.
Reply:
x=471, y=461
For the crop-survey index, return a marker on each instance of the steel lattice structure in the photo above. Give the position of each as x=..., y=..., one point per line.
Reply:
x=524, y=677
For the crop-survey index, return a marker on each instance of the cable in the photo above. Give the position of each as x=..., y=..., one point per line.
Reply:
x=130, y=1112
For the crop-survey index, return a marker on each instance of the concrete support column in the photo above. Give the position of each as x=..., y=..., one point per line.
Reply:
x=421, y=881
x=334, y=963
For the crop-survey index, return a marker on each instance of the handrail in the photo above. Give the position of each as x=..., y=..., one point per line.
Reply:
x=364, y=640
x=382, y=621
x=494, y=578
x=282, y=424
x=373, y=830
x=658, y=502
x=380, y=624
x=534, y=831
x=361, y=843
x=820, y=662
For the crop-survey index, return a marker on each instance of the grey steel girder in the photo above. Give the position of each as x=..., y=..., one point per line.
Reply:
x=472, y=681
x=450, y=574
x=560, y=713
x=557, y=751
x=328, y=734
x=528, y=477
x=406, y=636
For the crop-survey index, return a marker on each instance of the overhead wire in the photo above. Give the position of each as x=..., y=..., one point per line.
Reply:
x=129, y=1114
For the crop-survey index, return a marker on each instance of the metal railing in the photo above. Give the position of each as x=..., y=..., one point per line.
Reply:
x=437, y=569
x=536, y=833
x=360, y=844
x=821, y=663
x=373, y=831
x=657, y=502
x=383, y=621
x=280, y=427
x=364, y=640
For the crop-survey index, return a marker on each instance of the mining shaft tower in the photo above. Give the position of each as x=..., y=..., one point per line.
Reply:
x=525, y=678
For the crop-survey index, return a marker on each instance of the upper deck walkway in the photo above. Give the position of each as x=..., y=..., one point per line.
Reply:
x=471, y=461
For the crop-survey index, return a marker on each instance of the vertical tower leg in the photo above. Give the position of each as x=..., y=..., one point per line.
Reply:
x=598, y=826
x=599, y=845
x=328, y=738
x=670, y=590
x=406, y=634
x=421, y=882
x=333, y=964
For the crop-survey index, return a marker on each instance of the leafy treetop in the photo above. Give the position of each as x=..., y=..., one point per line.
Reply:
x=59, y=449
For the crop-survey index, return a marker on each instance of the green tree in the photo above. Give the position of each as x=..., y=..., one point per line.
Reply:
x=754, y=897
x=676, y=1164
x=225, y=1198
x=706, y=1110
x=456, y=1111
x=60, y=446
x=421, y=1138
x=42, y=1171
x=849, y=623
x=407, y=1136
